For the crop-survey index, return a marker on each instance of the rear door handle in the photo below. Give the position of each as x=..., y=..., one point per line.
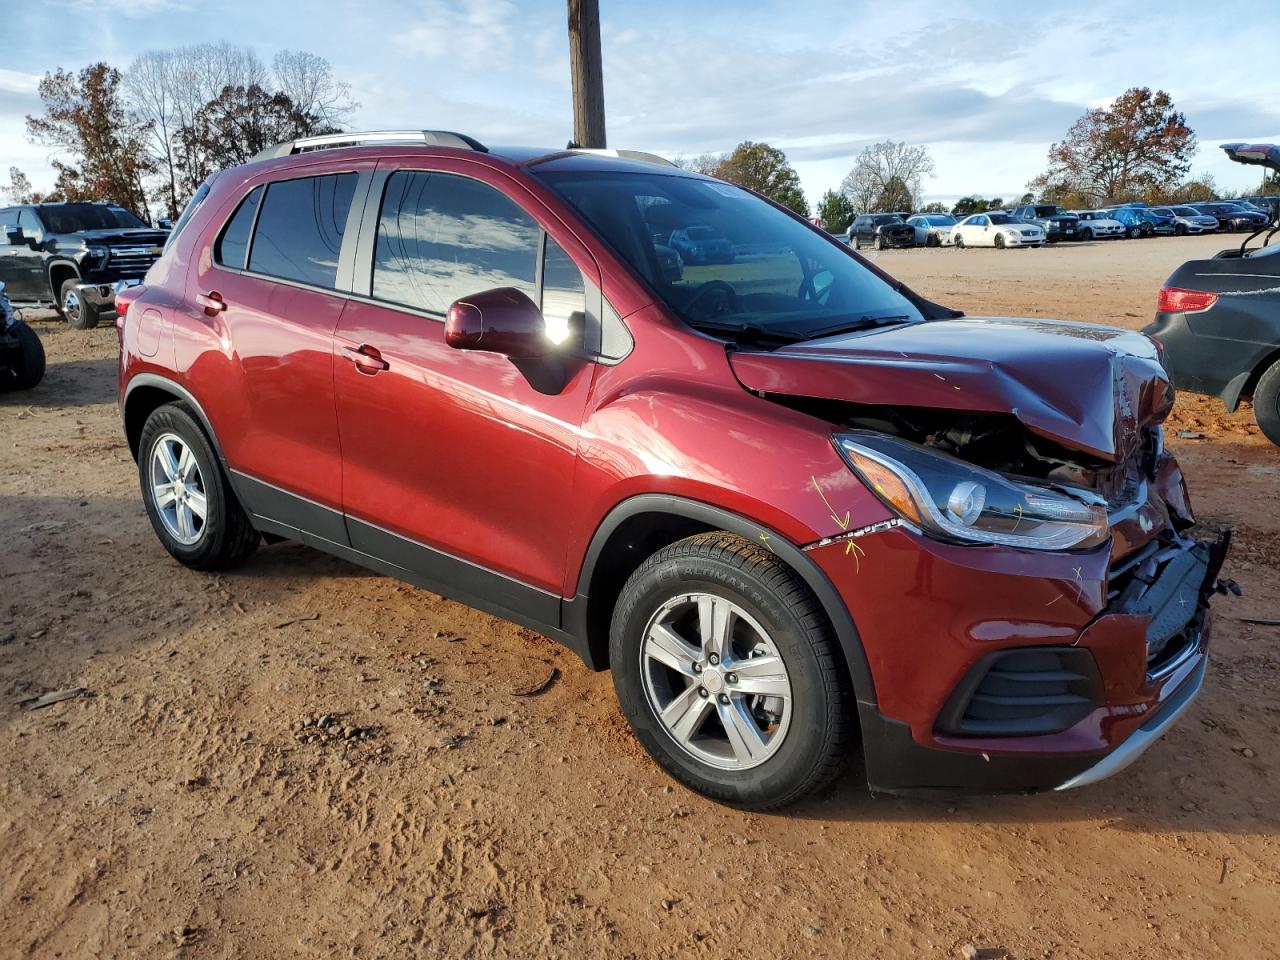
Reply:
x=212, y=303
x=366, y=358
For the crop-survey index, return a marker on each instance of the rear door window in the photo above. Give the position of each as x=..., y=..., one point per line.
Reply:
x=442, y=237
x=300, y=228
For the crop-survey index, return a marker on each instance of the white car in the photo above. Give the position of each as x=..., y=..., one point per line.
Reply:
x=1096, y=225
x=933, y=229
x=996, y=229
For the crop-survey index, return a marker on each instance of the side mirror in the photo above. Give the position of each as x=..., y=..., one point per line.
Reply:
x=503, y=320
x=14, y=235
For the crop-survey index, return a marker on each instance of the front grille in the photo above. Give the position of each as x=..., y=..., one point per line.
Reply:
x=1021, y=693
x=1162, y=581
x=132, y=259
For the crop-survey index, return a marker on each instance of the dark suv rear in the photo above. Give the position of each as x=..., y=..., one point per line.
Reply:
x=794, y=506
x=1058, y=224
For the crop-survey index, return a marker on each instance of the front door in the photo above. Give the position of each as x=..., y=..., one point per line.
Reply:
x=22, y=263
x=457, y=465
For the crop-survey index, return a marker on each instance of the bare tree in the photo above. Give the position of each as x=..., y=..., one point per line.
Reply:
x=200, y=73
x=150, y=87
x=307, y=80
x=20, y=189
x=704, y=163
x=887, y=169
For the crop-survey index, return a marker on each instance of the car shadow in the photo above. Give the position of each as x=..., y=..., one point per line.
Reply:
x=69, y=383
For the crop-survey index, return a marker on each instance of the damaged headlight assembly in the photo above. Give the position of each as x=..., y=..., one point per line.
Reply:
x=956, y=501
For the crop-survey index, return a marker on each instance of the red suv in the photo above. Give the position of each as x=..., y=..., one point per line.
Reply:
x=792, y=504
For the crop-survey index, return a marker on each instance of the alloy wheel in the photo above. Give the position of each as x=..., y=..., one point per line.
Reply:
x=716, y=681
x=178, y=490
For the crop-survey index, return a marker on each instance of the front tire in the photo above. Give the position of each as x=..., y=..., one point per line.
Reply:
x=79, y=314
x=187, y=494
x=998, y=242
x=729, y=673
x=1266, y=403
x=958, y=243
x=879, y=242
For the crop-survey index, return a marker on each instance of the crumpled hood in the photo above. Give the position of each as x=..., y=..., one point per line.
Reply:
x=1089, y=388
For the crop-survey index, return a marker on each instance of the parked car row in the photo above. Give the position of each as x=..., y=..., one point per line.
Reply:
x=1032, y=225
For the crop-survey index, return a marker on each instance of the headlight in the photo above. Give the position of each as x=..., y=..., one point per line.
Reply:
x=1011, y=232
x=96, y=252
x=953, y=500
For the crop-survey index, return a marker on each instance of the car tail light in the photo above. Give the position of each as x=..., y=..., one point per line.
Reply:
x=1179, y=300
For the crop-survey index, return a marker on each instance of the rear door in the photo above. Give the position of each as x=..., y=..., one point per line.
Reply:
x=458, y=465
x=268, y=293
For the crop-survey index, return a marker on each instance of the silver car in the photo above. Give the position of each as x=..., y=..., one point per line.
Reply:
x=933, y=229
x=1188, y=219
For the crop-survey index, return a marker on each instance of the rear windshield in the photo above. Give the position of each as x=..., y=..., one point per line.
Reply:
x=778, y=277
x=188, y=211
x=76, y=217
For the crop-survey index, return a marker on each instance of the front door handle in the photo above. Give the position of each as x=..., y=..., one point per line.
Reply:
x=212, y=303
x=366, y=358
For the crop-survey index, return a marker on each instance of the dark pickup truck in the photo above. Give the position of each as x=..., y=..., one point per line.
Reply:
x=1058, y=224
x=72, y=255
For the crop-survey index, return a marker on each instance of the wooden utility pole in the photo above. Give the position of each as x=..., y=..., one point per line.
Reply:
x=588, y=74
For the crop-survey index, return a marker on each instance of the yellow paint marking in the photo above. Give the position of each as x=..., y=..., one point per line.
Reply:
x=842, y=524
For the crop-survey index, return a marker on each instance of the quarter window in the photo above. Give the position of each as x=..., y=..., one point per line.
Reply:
x=300, y=228
x=233, y=245
x=442, y=237
x=564, y=297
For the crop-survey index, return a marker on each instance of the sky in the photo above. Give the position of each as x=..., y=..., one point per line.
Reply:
x=987, y=85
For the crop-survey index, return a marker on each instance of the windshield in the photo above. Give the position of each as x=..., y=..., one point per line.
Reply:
x=884, y=218
x=778, y=277
x=1187, y=212
x=75, y=217
x=941, y=221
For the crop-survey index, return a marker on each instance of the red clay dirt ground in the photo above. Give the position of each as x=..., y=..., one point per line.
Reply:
x=179, y=808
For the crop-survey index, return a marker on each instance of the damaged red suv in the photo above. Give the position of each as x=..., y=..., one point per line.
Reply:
x=794, y=506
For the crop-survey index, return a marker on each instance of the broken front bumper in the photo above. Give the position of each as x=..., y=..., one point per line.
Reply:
x=1007, y=671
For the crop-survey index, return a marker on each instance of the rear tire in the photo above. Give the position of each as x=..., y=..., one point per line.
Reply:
x=78, y=313
x=188, y=497
x=28, y=363
x=1266, y=403
x=712, y=727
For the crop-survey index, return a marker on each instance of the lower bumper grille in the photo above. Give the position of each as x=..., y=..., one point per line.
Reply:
x=1026, y=692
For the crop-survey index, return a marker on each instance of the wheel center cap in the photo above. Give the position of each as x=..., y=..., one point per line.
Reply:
x=712, y=680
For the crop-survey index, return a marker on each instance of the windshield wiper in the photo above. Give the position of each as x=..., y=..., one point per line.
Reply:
x=865, y=322
x=747, y=332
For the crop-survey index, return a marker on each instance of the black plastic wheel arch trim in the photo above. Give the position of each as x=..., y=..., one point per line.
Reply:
x=575, y=613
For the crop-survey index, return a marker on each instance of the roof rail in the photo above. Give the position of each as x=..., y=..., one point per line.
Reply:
x=639, y=155
x=328, y=141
